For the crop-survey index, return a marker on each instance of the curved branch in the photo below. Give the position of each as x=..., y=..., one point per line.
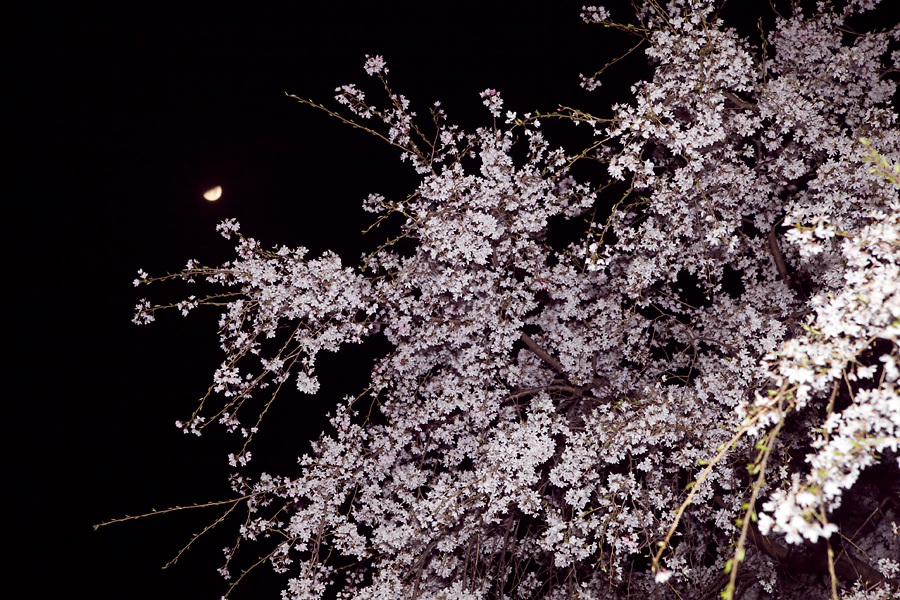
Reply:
x=542, y=354
x=847, y=567
x=544, y=388
x=779, y=258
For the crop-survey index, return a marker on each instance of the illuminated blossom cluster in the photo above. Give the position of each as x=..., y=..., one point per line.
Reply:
x=693, y=396
x=863, y=316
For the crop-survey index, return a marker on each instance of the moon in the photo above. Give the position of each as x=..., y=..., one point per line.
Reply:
x=213, y=194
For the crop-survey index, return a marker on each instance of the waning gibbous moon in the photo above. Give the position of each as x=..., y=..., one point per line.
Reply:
x=213, y=194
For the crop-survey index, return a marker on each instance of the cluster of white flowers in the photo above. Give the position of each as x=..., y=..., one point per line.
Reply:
x=375, y=65
x=862, y=317
x=493, y=101
x=544, y=411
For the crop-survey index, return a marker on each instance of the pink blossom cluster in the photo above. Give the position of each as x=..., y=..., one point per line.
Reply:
x=544, y=414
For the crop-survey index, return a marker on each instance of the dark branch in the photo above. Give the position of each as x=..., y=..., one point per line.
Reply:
x=779, y=258
x=847, y=567
x=542, y=354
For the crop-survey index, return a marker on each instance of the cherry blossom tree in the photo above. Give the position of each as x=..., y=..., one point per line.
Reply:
x=697, y=396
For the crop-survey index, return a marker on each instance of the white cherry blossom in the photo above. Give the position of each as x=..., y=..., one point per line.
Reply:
x=610, y=419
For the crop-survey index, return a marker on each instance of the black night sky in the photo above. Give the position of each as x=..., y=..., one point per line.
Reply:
x=121, y=118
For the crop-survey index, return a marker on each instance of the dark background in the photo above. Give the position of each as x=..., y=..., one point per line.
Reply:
x=120, y=118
